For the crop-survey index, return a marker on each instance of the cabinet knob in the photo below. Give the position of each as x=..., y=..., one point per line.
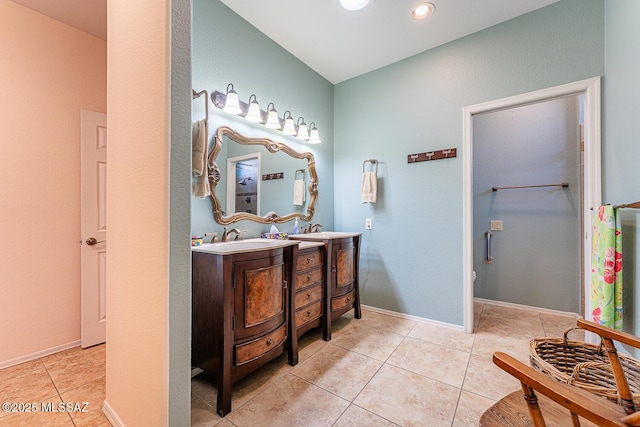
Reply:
x=348, y=299
x=308, y=295
x=308, y=278
x=333, y=268
x=308, y=260
x=308, y=314
x=269, y=342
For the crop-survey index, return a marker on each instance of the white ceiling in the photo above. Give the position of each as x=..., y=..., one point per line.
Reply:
x=336, y=43
x=340, y=45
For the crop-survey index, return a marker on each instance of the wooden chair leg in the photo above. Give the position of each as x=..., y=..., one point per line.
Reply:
x=532, y=405
x=626, y=398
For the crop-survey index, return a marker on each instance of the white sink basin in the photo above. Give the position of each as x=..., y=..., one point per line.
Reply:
x=237, y=246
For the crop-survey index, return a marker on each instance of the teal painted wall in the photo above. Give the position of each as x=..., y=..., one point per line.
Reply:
x=227, y=49
x=621, y=137
x=412, y=259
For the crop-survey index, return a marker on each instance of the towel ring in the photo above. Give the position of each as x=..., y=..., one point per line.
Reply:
x=302, y=171
x=372, y=161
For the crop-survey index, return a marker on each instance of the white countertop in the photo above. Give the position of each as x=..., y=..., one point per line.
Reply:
x=239, y=246
x=324, y=235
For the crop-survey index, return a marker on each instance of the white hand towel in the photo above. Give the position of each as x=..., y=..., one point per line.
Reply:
x=369, y=187
x=298, y=192
x=199, y=150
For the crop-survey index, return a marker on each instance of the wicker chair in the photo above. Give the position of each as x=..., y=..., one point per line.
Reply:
x=579, y=403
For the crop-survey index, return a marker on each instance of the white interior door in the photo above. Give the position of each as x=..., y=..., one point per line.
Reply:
x=93, y=206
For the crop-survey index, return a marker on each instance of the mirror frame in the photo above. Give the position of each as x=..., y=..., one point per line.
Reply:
x=271, y=217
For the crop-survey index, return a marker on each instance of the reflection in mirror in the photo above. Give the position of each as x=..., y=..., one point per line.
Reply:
x=262, y=180
x=243, y=187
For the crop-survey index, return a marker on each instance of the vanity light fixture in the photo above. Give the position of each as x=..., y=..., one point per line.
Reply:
x=254, y=115
x=273, y=121
x=232, y=103
x=303, y=133
x=314, y=135
x=422, y=10
x=289, y=125
x=352, y=5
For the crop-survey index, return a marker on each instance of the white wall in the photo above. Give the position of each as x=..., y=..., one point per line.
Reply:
x=48, y=73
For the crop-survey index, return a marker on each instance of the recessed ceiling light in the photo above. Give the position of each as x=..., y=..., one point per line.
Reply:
x=353, y=4
x=422, y=10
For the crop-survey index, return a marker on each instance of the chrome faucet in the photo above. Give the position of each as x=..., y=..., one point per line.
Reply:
x=226, y=234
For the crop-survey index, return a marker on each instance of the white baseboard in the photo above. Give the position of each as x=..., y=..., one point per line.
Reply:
x=414, y=318
x=38, y=354
x=526, y=307
x=111, y=415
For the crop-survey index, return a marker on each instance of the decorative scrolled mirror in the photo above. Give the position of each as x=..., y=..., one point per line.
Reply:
x=260, y=180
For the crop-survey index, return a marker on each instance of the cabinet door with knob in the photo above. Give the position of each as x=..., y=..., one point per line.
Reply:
x=240, y=313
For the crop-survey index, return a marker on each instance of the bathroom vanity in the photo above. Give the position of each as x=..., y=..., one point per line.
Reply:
x=342, y=250
x=241, y=308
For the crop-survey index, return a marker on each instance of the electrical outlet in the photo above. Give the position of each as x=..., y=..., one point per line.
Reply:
x=496, y=226
x=368, y=225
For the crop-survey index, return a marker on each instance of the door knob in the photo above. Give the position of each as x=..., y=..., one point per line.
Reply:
x=92, y=241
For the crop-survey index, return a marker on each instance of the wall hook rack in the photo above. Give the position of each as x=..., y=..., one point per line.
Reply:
x=432, y=155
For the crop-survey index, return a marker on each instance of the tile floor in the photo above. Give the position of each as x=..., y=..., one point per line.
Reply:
x=71, y=376
x=383, y=370
x=380, y=370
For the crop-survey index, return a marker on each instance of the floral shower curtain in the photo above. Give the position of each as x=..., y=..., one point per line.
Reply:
x=606, y=268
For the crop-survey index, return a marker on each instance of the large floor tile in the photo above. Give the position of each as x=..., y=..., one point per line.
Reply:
x=19, y=370
x=484, y=378
x=355, y=416
x=290, y=401
x=554, y=326
x=72, y=368
x=48, y=419
x=409, y=399
x=470, y=409
x=371, y=342
x=245, y=389
x=486, y=344
x=387, y=323
x=93, y=393
x=338, y=370
x=35, y=386
x=443, y=336
x=431, y=360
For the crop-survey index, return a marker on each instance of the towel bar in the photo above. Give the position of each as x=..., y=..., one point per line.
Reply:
x=372, y=161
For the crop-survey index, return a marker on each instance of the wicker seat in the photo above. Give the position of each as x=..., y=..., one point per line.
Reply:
x=580, y=403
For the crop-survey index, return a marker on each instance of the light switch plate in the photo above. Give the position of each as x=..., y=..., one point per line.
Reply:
x=496, y=225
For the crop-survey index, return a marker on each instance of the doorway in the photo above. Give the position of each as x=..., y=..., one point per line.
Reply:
x=590, y=89
x=526, y=204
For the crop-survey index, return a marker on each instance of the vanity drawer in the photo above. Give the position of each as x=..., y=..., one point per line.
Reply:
x=308, y=278
x=309, y=260
x=256, y=348
x=343, y=301
x=308, y=313
x=308, y=296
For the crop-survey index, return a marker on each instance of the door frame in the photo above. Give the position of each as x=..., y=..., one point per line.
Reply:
x=592, y=191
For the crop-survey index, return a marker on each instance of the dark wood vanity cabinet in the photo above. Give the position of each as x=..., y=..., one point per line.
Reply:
x=240, y=313
x=308, y=293
x=341, y=273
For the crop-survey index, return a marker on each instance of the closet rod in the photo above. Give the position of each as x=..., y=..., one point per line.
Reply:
x=563, y=185
x=206, y=101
